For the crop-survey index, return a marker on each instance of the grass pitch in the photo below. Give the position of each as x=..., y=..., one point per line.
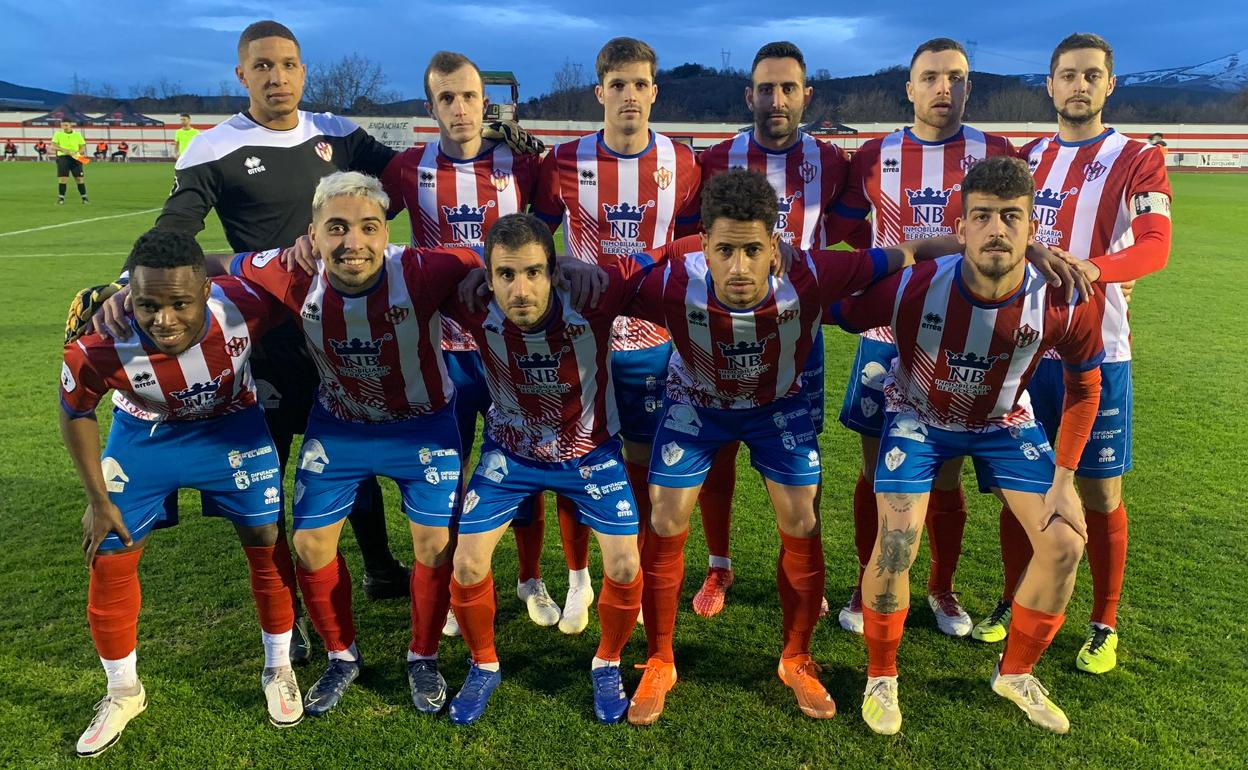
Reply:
x=1176, y=699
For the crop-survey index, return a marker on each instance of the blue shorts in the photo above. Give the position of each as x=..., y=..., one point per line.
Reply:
x=863, y=408
x=421, y=455
x=472, y=393
x=780, y=435
x=1108, y=453
x=812, y=381
x=639, y=377
x=911, y=454
x=595, y=482
x=231, y=460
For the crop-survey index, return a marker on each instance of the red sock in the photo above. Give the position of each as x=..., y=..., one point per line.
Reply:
x=1031, y=633
x=799, y=577
x=715, y=499
x=431, y=595
x=327, y=598
x=1107, y=561
x=474, y=609
x=272, y=585
x=946, y=520
x=639, y=480
x=617, y=612
x=663, y=563
x=1015, y=552
x=866, y=523
x=113, y=600
x=573, y=533
x=883, y=634
x=529, y=541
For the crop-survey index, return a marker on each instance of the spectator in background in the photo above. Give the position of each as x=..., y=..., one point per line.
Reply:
x=122, y=152
x=1158, y=140
x=41, y=150
x=101, y=151
x=183, y=136
x=10, y=150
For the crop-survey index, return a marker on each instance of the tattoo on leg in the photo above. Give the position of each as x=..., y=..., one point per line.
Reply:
x=895, y=545
x=885, y=602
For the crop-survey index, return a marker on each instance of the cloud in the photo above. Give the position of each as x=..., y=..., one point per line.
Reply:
x=523, y=18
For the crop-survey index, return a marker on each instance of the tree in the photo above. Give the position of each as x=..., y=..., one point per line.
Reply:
x=568, y=91
x=340, y=85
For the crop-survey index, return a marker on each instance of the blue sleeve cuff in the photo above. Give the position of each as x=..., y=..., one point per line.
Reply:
x=849, y=212
x=1086, y=365
x=550, y=219
x=236, y=264
x=642, y=258
x=834, y=312
x=692, y=219
x=879, y=261
x=75, y=413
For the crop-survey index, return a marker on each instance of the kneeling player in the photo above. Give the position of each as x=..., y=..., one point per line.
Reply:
x=970, y=331
x=551, y=427
x=182, y=387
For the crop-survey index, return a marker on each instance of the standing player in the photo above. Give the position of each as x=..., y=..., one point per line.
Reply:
x=68, y=145
x=183, y=136
x=553, y=426
x=455, y=189
x=621, y=190
x=181, y=385
x=908, y=183
x=970, y=330
x=808, y=176
x=1105, y=199
x=259, y=170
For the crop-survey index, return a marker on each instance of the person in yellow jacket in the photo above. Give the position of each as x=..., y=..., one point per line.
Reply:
x=68, y=145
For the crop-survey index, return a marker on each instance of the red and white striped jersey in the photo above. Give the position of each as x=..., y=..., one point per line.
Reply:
x=912, y=188
x=726, y=358
x=551, y=392
x=378, y=351
x=614, y=205
x=209, y=379
x=452, y=203
x=807, y=177
x=963, y=364
x=1085, y=193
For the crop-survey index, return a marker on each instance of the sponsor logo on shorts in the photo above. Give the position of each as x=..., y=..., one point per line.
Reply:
x=672, y=452
x=588, y=470
x=67, y=379
x=1106, y=435
x=1030, y=451
x=313, y=458
x=894, y=458
x=470, y=500
x=812, y=458
x=237, y=458
x=1114, y=412
x=426, y=455
x=1106, y=455
x=271, y=495
x=623, y=509
x=652, y=404
x=683, y=418
x=908, y=426
x=431, y=475
x=493, y=466
x=114, y=477
x=780, y=420
x=241, y=479
x=787, y=440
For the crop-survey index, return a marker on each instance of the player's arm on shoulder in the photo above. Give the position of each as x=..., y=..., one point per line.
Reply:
x=1148, y=205
x=365, y=153
x=689, y=213
x=868, y=309
x=547, y=202
x=196, y=188
x=392, y=180
x=841, y=273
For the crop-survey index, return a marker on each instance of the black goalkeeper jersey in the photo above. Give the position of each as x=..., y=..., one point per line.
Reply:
x=261, y=181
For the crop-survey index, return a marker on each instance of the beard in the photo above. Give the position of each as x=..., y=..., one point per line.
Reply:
x=763, y=125
x=1079, y=119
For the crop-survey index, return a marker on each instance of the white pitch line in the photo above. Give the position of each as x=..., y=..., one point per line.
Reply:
x=77, y=222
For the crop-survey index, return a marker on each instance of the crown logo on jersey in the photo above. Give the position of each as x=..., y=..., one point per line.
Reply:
x=1094, y=170
x=663, y=177
x=972, y=361
x=1025, y=336
x=626, y=213
x=201, y=394
x=325, y=151
x=743, y=348
x=891, y=164
x=784, y=204
x=541, y=371
x=396, y=314
x=1054, y=198
x=465, y=214
x=236, y=346
x=538, y=360
x=142, y=378
x=358, y=347
x=807, y=171
x=929, y=197
x=500, y=179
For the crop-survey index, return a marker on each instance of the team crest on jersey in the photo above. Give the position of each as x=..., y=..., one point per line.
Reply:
x=967, y=373
x=784, y=205
x=894, y=458
x=624, y=221
x=396, y=314
x=1025, y=336
x=1045, y=212
x=663, y=177
x=891, y=165
x=745, y=359
x=115, y=478
x=500, y=179
x=325, y=151
x=467, y=223
x=933, y=322
x=199, y=397
x=967, y=162
x=361, y=359
x=539, y=372
x=672, y=452
x=807, y=171
x=236, y=346
x=1094, y=171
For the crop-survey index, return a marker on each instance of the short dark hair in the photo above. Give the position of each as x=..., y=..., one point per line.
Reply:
x=781, y=49
x=258, y=30
x=446, y=62
x=1156, y=133
x=1081, y=40
x=619, y=51
x=936, y=45
x=165, y=248
x=739, y=194
x=514, y=231
x=1001, y=176
x=186, y=115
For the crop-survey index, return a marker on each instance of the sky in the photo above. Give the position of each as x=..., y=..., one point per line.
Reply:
x=128, y=43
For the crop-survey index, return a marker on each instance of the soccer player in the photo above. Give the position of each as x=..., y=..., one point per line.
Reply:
x=258, y=170
x=619, y=191
x=741, y=340
x=553, y=426
x=808, y=176
x=181, y=385
x=10, y=150
x=1105, y=199
x=68, y=144
x=970, y=329
x=455, y=190
x=908, y=183
x=183, y=136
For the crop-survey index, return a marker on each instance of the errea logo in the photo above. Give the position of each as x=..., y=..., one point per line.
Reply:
x=254, y=165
